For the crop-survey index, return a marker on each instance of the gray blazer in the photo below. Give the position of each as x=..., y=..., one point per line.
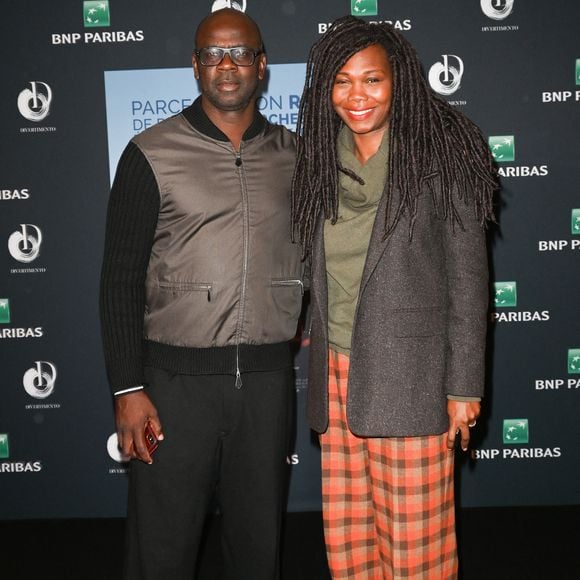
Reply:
x=420, y=324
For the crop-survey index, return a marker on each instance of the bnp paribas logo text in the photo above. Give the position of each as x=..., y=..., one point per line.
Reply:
x=96, y=16
x=566, y=95
x=561, y=383
x=36, y=332
x=503, y=148
x=516, y=431
x=574, y=361
x=364, y=7
x=564, y=245
x=15, y=466
x=4, y=448
x=4, y=311
x=96, y=13
x=506, y=294
x=575, y=225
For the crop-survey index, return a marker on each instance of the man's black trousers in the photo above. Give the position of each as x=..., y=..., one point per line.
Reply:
x=221, y=443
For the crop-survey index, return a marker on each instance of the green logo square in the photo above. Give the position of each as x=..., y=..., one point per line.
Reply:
x=96, y=13
x=364, y=7
x=578, y=71
x=575, y=225
x=515, y=431
x=4, y=450
x=4, y=311
x=506, y=294
x=574, y=361
x=502, y=148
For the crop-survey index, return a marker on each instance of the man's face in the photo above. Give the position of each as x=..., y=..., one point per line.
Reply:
x=227, y=86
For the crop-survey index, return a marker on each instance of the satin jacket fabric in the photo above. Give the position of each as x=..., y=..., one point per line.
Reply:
x=223, y=270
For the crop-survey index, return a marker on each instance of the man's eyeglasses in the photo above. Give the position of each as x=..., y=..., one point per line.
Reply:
x=239, y=55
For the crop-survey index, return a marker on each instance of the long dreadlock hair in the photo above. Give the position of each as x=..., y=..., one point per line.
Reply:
x=430, y=142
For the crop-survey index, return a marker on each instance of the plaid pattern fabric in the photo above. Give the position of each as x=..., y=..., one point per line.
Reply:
x=388, y=503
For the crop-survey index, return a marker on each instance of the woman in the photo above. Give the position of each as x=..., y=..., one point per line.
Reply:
x=391, y=194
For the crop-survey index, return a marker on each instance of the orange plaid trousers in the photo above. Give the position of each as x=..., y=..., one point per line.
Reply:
x=388, y=503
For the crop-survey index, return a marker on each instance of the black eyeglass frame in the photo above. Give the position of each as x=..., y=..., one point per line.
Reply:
x=228, y=51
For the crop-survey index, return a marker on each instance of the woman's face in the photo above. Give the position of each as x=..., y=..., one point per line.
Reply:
x=362, y=91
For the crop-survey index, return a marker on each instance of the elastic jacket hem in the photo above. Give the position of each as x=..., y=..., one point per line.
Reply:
x=218, y=360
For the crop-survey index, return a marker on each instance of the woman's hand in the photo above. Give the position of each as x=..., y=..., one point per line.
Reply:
x=462, y=416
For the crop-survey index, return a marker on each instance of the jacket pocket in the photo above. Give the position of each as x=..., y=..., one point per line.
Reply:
x=287, y=301
x=186, y=287
x=288, y=283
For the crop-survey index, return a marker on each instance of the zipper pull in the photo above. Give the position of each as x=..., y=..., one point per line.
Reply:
x=238, y=159
x=238, y=379
x=209, y=294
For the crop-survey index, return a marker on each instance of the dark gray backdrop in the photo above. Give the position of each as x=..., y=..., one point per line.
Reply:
x=520, y=79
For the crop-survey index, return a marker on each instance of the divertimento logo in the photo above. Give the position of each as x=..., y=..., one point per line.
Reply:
x=34, y=103
x=114, y=451
x=24, y=245
x=497, y=9
x=39, y=380
x=445, y=78
x=221, y=4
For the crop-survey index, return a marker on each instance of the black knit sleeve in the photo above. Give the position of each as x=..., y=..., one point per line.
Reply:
x=131, y=221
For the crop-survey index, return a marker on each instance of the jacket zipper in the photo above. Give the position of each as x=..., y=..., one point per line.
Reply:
x=238, y=383
x=246, y=217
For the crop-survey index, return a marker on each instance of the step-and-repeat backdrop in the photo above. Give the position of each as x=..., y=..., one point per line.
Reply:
x=80, y=78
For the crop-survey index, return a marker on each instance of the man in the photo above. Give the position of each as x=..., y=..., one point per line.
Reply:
x=201, y=292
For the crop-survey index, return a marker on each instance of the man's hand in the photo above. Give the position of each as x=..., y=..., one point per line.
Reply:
x=462, y=416
x=132, y=413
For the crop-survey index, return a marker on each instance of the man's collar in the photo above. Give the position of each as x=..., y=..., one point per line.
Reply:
x=199, y=120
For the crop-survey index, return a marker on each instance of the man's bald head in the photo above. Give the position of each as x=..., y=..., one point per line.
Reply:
x=231, y=19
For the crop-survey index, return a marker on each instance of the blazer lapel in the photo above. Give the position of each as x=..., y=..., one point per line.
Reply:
x=318, y=272
x=377, y=245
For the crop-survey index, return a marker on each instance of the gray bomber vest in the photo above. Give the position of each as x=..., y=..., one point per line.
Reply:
x=223, y=270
